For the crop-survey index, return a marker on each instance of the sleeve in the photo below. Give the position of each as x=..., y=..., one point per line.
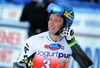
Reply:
x=26, y=55
x=80, y=56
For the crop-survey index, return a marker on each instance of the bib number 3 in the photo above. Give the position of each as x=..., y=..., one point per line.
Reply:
x=46, y=63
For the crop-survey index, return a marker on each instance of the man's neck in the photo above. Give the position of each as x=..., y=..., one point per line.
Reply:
x=55, y=38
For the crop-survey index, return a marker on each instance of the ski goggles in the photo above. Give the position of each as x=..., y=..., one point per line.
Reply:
x=58, y=10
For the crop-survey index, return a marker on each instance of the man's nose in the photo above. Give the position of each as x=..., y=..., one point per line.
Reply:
x=52, y=22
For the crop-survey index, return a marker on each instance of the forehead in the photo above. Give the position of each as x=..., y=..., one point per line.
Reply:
x=55, y=16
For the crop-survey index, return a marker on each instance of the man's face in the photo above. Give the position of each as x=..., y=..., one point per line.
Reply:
x=55, y=23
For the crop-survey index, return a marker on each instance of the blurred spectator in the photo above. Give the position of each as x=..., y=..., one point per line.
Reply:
x=35, y=12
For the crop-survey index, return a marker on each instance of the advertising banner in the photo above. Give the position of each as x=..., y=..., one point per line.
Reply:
x=11, y=12
x=12, y=37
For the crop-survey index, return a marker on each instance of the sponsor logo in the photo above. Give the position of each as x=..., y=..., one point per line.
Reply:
x=53, y=54
x=54, y=46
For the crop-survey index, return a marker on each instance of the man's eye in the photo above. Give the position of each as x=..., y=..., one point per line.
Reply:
x=56, y=20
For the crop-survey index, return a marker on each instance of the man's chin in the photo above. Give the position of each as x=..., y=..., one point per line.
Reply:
x=51, y=32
